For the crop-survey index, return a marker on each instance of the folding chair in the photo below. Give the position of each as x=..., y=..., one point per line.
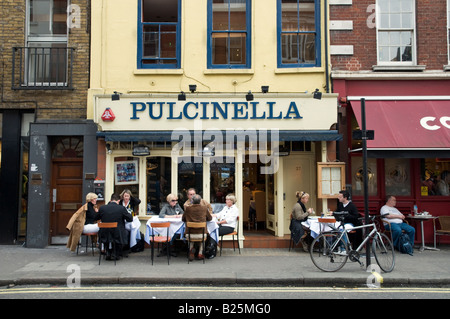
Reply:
x=235, y=233
x=160, y=239
x=106, y=239
x=200, y=225
x=444, y=229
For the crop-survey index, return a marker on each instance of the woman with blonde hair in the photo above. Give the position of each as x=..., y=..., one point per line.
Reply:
x=90, y=225
x=227, y=218
x=172, y=208
x=300, y=214
x=129, y=202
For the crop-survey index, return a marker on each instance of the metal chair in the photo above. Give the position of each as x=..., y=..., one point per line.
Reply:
x=106, y=239
x=160, y=239
x=198, y=225
x=235, y=233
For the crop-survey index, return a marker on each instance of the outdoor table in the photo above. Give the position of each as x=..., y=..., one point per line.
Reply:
x=177, y=226
x=421, y=219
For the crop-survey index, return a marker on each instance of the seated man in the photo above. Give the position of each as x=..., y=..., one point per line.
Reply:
x=392, y=215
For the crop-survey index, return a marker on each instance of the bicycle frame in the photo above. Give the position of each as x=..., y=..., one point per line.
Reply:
x=344, y=232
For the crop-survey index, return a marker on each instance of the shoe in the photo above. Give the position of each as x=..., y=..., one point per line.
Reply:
x=191, y=254
x=200, y=257
x=304, y=245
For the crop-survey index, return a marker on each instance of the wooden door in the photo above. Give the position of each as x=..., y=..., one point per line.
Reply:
x=66, y=194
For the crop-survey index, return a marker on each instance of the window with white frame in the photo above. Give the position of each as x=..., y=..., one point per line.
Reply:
x=46, y=42
x=298, y=33
x=396, y=32
x=159, y=34
x=229, y=27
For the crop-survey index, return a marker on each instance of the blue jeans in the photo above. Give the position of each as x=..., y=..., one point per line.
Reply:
x=397, y=230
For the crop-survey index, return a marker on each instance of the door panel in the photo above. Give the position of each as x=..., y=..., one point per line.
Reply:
x=67, y=180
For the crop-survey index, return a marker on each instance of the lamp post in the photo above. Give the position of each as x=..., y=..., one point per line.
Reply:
x=365, y=135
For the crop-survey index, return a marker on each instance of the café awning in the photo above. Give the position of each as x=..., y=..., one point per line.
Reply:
x=408, y=126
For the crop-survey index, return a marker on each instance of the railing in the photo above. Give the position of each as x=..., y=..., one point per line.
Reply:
x=42, y=68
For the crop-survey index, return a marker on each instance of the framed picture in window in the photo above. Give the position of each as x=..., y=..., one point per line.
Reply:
x=126, y=172
x=331, y=179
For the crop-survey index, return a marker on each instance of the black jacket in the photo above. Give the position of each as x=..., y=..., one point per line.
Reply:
x=353, y=213
x=115, y=213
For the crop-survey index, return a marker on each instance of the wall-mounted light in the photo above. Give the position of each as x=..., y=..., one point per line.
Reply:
x=141, y=150
x=182, y=96
x=249, y=96
x=317, y=95
x=265, y=88
x=192, y=87
x=115, y=96
x=108, y=149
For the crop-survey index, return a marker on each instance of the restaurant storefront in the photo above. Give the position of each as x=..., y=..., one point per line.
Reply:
x=409, y=156
x=156, y=144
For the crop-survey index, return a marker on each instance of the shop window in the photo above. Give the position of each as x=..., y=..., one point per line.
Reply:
x=190, y=175
x=222, y=179
x=358, y=176
x=158, y=173
x=435, y=176
x=298, y=33
x=229, y=40
x=397, y=176
x=159, y=34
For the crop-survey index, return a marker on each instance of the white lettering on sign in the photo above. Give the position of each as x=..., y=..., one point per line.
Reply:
x=430, y=122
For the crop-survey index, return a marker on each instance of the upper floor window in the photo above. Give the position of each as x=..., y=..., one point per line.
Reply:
x=396, y=32
x=229, y=27
x=46, y=57
x=159, y=34
x=298, y=33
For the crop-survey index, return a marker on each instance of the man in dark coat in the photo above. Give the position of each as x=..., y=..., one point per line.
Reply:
x=111, y=213
x=346, y=205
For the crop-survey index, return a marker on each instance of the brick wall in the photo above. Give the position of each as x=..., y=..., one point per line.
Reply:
x=65, y=104
x=431, y=35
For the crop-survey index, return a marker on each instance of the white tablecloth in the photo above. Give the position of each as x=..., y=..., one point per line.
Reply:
x=133, y=227
x=316, y=227
x=177, y=227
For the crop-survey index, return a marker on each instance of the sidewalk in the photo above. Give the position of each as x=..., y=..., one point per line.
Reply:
x=54, y=264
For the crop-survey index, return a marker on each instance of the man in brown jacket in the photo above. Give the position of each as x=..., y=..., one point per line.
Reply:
x=196, y=213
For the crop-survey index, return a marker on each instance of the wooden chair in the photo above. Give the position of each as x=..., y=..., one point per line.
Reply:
x=235, y=233
x=324, y=221
x=92, y=236
x=444, y=226
x=106, y=239
x=198, y=225
x=160, y=239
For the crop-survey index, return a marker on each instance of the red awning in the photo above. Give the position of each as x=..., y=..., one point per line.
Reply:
x=407, y=124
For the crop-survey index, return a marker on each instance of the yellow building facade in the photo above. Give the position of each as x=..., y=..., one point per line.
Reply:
x=220, y=96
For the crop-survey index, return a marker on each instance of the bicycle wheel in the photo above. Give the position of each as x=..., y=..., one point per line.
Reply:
x=383, y=250
x=328, y=252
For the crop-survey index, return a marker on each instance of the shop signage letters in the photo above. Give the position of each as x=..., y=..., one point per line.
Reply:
x=213, y=111
x=445, y=121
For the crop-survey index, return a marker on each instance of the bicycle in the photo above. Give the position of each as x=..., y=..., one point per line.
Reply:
x=330, y=250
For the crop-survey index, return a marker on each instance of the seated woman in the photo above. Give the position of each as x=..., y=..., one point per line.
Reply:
x=299, y=214
x=171, y=208
x=227, y=217
x=90, y=225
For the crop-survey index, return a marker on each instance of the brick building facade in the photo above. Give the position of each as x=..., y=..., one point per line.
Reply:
x=394, y=55
x=44, y=51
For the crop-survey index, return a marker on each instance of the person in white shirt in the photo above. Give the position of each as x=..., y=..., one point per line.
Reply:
x=227, y=218
x=392, y=215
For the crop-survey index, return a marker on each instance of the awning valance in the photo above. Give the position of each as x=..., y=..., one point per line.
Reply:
x=160, y=136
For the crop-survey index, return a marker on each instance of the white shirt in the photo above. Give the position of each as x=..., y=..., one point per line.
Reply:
x=391, y=211
x=230, y=214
